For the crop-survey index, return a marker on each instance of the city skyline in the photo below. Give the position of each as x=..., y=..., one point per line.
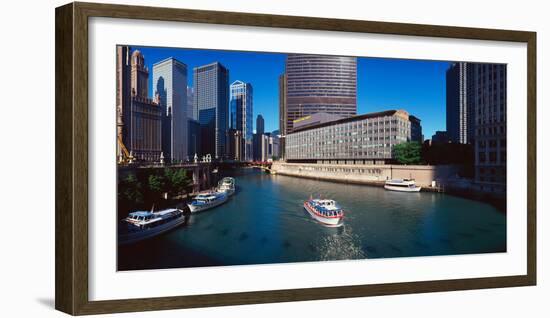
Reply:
x=350, y=130
x=382, y=83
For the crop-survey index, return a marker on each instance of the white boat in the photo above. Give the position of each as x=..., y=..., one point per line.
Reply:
x=207, y=201
x=325, y=211
x=403, y=185
x=141, y=225
x=227, y=185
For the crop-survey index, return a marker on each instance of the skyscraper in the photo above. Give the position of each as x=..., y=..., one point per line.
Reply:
x=211, y=101
x=282, y=104
x=241, y=115
x=476, y=114
x=191, y=111
x=170, y=82
x=282, y=114
x=460, y=110
x=260, y=123
x=193, y=138
x=138, y=116
x=487, y=92
x=259, y=141
x=416, y=129
x=319, y=83
x=261, y=147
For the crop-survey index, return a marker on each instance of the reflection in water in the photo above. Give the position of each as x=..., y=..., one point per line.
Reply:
x=264, y=222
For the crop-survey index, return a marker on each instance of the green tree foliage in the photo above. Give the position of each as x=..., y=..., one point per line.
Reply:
x=157, y=184
x=146, y=187
x=177, y=181
x=408, y=153
x=131, y=190
x=130, y=195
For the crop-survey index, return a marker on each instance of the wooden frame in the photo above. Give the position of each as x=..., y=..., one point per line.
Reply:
x=71, y=233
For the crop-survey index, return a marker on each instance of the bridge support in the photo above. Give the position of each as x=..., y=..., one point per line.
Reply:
x=196, y=180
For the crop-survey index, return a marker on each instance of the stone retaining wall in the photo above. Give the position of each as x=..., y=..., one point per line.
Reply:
x=367, y=174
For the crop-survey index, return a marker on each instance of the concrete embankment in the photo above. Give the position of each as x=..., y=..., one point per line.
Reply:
x=445, y=177
x=367, y=174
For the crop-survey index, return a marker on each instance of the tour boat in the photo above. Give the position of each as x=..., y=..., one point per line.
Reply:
x=141, y=225
x=227, y=185
x=325, y=211
x=207, y=201
x=403, y=185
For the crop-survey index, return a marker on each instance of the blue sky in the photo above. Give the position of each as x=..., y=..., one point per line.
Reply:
x=382, y=84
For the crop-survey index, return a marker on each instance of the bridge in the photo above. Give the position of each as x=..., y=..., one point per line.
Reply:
x=201, y=172
x=263, y=165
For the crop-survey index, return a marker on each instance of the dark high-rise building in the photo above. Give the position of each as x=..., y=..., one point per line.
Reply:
x=235, y=145
x=212, y=101
x=319, y=84
x=440, y=137
x=416, y=129
x=476, y=114
x=261, y=147
x=259, y=140
x=282, y=104
x=193, y=138
x=487, y=91
x=460, y=110
x=260, y=124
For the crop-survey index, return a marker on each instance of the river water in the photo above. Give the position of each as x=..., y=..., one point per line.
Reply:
x=264, y=222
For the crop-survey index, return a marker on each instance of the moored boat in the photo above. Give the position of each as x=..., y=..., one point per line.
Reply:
x=207, y=201
x=227, y=185
x=141, y=225
x=325, y=211
x=403, y=185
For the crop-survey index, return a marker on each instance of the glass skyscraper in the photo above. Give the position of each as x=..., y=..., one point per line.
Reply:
x=241, y=114
x=211, y=101
x=170, y=83
x=319, y=84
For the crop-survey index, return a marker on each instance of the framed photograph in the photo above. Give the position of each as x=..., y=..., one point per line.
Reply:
x=210, y=158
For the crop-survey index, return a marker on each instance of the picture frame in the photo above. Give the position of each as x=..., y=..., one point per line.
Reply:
x=72, y=162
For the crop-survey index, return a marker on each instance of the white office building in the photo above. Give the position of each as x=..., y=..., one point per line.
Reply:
x=170, y=82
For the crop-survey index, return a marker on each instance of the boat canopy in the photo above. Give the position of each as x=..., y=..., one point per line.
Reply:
x=141, y=213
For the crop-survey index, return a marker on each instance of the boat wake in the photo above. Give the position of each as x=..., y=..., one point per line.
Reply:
x=341, y=247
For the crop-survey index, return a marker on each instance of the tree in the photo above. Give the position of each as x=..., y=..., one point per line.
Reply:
x=130, y=195
x=176, y=181
x=408, y=153
x=130, y=189
x=157, y=184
